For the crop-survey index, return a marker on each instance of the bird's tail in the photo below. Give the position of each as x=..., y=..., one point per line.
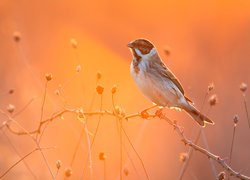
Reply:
x=201, y=119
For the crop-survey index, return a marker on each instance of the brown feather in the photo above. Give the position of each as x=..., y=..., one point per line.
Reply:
x=168, y=74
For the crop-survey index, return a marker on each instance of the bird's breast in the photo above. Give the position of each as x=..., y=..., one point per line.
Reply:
x=158, y=90
x=145, y=83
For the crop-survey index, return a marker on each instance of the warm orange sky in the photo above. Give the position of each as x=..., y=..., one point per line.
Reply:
x=209, y=42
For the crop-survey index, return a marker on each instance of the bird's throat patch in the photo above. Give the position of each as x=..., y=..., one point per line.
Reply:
x=137, y=57
x=136, y=65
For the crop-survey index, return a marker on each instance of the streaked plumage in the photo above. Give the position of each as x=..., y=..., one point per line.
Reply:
x=157, y=82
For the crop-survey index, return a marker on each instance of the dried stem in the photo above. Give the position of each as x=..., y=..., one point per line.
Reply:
x=131, y=160
x=84, y=129
x=20, y=160
x=188, y=142
x=16, y=163
x=121, y=142
x=19, y=155
x=94, y=136
x=98, y=124
x=36, y=131
x=190, y=153
x=232, y=144
x=89, y=147
x=43, y=102
x=207, y=147
x=126, y=135
x=104, y=169
x=29, y=134
x=158, y=113
x=90, y=144
x=57, y=171
x=25, y=107
x=77, y=146
x=137, y=154
x=245, y=105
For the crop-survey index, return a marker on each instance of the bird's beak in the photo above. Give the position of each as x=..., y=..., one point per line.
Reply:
x=130, y=45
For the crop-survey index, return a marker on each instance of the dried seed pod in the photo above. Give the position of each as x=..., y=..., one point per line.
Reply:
x=48, y=76
x=213, y=100
x=102, y=156
x=78, y=68
x=68, y=172
x=10, y=108
x=210, y=87
x=11, y=91
x=98, y=75
x=221, y=176
x=58, y=164
x=99, y=89
x=236, y=119
x=114, y=89
x=125, y=171
x=73, y=43
x=243, y=87
x=183, y=157
x=17, y=36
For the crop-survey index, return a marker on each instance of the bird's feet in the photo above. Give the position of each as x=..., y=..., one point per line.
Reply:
x=145, y=114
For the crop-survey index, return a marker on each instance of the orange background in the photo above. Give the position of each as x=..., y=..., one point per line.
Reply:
x=209, y=41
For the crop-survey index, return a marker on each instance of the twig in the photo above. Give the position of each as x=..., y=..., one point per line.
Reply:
x=94, y=137
x=45, y=160
x=126, y=135
x=245, y=105
x=121, y=142
x=89, y=147
x=43, y=102
x=90, y=144
x=188, y=142
x=27, y=133
x=77, y=146
x=21, y=110
x=60, y=113
x=83, y=130
x=190, y=153
x=131, y=160
x=140, y=159
x=57, y=171
x=20, y=160
x=207, y=147
x=98, y=124
x=19, y=155
x=232, y=144
x=16, y=163
x=159, y=114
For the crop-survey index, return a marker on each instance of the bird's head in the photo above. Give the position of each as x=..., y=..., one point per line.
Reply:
x=142, y=49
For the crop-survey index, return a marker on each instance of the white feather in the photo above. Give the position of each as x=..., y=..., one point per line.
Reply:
x=160, y=91
x=146, y=56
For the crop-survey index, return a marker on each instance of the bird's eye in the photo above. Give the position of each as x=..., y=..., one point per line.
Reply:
x=145, y=49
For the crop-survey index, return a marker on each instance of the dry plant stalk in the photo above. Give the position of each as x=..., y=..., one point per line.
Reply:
x=143, y=115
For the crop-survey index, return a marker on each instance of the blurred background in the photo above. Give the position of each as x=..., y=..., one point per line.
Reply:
x=201, y=42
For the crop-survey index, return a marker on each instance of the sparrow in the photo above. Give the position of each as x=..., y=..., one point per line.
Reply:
x=158, y=83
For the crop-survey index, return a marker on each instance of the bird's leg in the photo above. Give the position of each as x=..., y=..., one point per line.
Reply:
x=145, y=114
x=152, y=107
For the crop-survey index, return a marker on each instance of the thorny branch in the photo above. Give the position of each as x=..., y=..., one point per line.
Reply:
x=188, y=142
x=144, y=115
x=55, y=116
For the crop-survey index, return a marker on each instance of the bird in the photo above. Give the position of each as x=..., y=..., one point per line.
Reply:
x=158, y=83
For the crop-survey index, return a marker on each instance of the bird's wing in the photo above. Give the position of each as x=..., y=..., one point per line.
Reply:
x=168, y=74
